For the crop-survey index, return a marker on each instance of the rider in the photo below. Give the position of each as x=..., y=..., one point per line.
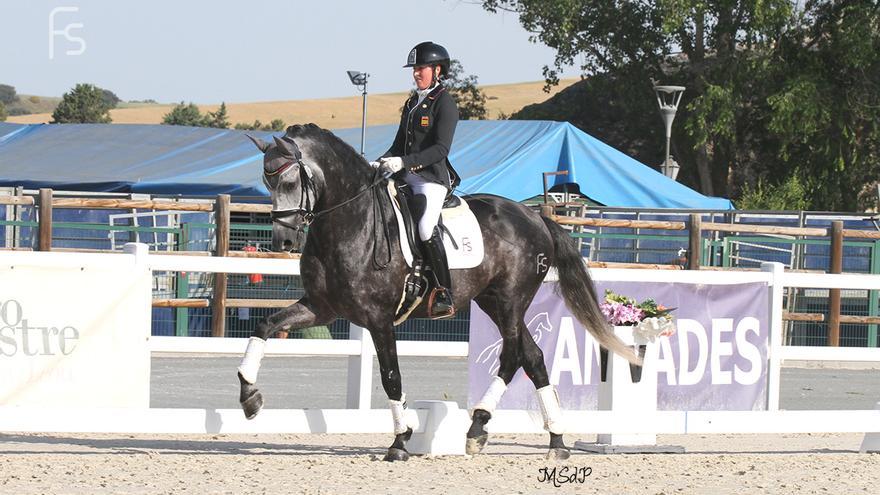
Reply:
x=421, y=150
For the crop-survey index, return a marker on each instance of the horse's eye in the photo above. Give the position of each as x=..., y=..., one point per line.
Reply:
x=285, y=187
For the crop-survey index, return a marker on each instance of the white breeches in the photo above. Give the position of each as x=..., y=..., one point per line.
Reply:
x=434, y=195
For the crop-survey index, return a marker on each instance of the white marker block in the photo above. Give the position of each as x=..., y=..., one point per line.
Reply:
x=871, y=442
x=445, y=429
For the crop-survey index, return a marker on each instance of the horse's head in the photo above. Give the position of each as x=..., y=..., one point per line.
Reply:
x=293, y=189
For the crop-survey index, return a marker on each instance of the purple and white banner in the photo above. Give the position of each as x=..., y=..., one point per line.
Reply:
x=717, y=359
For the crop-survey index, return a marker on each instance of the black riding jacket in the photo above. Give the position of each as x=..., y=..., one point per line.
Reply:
x=425, y=136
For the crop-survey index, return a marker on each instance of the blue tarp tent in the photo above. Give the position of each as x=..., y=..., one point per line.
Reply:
x=498, y=157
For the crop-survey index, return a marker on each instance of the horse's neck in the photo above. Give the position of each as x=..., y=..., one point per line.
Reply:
x=349, y=227
x=341, y=184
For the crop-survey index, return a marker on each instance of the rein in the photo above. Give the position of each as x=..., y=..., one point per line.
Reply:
x=308, y=185
x=306, y=209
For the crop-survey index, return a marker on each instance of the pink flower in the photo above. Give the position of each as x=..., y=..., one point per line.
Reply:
x=621, y=314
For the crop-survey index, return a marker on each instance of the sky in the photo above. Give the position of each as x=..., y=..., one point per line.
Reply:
x=260, y=50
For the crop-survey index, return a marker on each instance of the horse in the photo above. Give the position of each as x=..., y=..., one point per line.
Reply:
x=352, y=267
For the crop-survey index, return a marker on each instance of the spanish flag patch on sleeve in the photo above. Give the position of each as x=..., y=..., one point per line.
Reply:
x=425, y=121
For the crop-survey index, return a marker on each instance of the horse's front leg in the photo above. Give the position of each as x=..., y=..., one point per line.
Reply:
x=300, y=315
x=389, y=370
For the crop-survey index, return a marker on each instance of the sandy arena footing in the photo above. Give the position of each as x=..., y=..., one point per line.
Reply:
x=334, y=464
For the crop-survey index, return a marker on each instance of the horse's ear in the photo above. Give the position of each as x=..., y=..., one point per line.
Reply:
x=262, y=145
x=285, y=146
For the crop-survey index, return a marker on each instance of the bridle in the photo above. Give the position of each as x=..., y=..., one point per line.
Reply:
x=307, y=185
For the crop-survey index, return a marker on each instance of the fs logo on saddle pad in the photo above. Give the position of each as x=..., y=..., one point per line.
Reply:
x=465, y=230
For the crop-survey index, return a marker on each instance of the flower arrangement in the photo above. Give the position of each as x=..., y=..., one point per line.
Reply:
x=651, y=320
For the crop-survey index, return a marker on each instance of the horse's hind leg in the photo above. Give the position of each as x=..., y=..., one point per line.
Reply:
x=532, y=360
x=508, y=364
x=389, y=370
x=518, y=349
x=300, y=315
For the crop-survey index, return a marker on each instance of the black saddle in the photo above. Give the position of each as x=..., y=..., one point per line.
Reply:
x=404, y=194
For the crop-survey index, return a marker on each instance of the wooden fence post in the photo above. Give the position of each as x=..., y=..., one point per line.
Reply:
x=221, y=233
x=834, y=294
x=44, y=238
x=695, y=245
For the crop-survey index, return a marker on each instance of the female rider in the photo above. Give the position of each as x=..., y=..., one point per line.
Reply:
x=420, y=154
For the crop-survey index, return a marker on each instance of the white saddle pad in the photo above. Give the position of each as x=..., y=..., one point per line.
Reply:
x=465, y=230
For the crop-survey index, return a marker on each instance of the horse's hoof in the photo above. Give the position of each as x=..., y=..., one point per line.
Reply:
x=557, y=454
x=475, y=445
x=396, y=455
x=252, y=405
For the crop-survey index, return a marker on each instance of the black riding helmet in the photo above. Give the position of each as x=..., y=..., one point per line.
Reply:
x=429, y=53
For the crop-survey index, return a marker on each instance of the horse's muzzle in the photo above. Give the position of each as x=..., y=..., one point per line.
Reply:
x=287, y=240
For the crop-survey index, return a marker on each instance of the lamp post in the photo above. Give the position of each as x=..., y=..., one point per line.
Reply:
x=668, y=98
x=359, y=79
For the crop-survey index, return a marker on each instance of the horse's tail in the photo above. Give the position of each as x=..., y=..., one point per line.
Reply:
x=579, y=295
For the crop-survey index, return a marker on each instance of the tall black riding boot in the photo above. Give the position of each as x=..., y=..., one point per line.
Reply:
x=440, y=303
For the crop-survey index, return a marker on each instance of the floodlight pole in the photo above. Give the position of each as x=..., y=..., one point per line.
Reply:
x=668, y=98
x=364, y=117
x=359, y=79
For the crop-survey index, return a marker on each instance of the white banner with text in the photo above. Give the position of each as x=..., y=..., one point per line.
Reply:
x=75, y=336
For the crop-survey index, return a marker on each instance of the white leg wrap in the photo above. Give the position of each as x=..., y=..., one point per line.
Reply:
x=250, y=364
x=492, y=396
x=549, y=402
x=397, y=409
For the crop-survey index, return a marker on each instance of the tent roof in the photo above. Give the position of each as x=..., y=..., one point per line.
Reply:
x=498, y=157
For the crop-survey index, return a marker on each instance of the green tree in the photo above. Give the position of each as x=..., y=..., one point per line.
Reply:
x=189, y=114
x=276, y=125
x=773, y=87
x=241, y=126
x=824, y=108
x=632, y=41
x=790, y=194
x=8, y=95
x=83, y=104
x=471, y=100
x=183, y=114
x=110, y=98
x=218, y=119
x=3, y=114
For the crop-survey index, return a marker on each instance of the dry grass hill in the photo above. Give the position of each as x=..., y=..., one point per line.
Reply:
x=331, y=113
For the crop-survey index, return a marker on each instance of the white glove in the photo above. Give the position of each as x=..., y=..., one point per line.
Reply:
x=391, y=164
x=375, y=165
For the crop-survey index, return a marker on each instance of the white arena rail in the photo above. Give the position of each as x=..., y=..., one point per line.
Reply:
x=359, y=418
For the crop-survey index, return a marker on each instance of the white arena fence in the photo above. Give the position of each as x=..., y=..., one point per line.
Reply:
x=137, y=417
